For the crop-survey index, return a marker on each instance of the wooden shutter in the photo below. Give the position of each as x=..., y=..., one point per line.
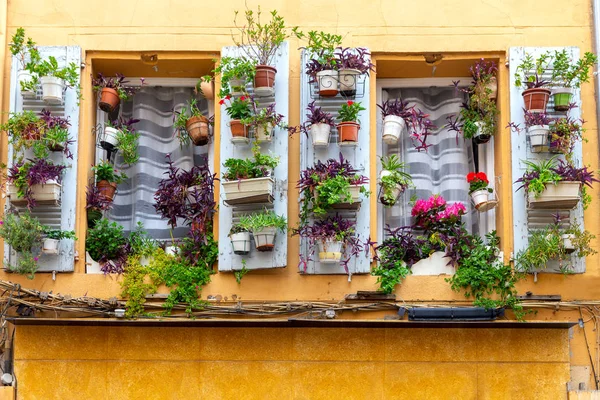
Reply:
x=525, y=220
x=228, y=261
x=60, y=216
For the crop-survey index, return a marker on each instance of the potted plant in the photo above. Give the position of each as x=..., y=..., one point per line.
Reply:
x=260, y=41
x=112, y=90
x=23, y=129
x=484, y=78
x=55, y=135
x=435, y=215
x=192, y=124
x=238, y=110
x=105, y=241
x=264, y=227
x=392, y=179
x=249, y=180
x=549, y=185
x=323, y=66
x=23, y=233
x=263, y=121
x=477, y=117
x=352, y=62
x=35, y=181
x=349, y=122
x=107, y=179
x=481, y=194
x=528, y=74
x=206, y=87
x=235, y=72
x=564, y=133
x=319, y=124
x=240, y=239
x=96, y=203
x=121, y=135
x=52, y=237
x=52, y=77
x=568, y=75
x=21, y=49
x=397, y=116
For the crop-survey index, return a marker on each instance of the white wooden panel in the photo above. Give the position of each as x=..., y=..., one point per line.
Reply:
x=358, y=156
x=228, y=261
x=523, y=219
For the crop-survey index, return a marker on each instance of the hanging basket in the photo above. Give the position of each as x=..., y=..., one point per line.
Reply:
x=492, y=87
x=393, y=126
x=109, y=140
x=480, y=137
x=330, y=251
x=198, y=129
x=240, y=242
x=207, y=90
x=264, y=238
x=483, y=200
x=109, y=99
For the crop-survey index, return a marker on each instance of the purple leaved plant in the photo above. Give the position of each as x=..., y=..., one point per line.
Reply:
x=33, y=172
x=312, y=176
x=354, y=58
x=316, y=115
x=569, y=173
x=418, y=123
x=95, y=200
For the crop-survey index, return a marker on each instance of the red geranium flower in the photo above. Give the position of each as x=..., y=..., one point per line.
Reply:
x=350, y=102
x=242, y=98
x=227, y=97
x=470, y=177
x=482, y=176
x=222, y=102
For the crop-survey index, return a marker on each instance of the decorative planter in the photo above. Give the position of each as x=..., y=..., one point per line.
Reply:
x=239, y=131
x=565, y=195
x=536, y=99
x=348, y=131
x=568, y=242
x=93, y=215
x=248, y=191
x=50, y=246
x=237, y=86
x=483, y=200
x=263, y=133
x=393, y=126
x=190, y=193
x=107, y=189
x=480, y=137
x=264, y=238
x=538, y=138
x=240, y=242
x=264, y=81
x=330, y=251
x=198, y=129
x=52, y=89
x=109, y=140
x=320, y=134
x=492, y=86
x=207, y=90
x=562, y=98
x=48, y=193
x=348, y=79
x=109, y=99
x=327, y=81
x=25, y=77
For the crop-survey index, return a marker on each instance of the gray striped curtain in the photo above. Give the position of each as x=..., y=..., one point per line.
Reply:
x=135, y=197
x=442, y=169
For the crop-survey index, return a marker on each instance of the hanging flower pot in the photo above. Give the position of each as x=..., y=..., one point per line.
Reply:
x=107, y=189
x=536, y=99
x=263, y=132
x=348, y=131
x=264, y=238
x=564, y=195
x=240, y=243
x=237, y=86
x=93, y=215
x=538, y=137
x=320, y=134
x=198, y=129
x=480, y=137
x=393, y=126
x=238, y=130
x=25, y=77
x=52, y=89
x=386, y=194
x=109, y=140
x=330, y=251
x=109, y=99
x=327, y=81
x=264, y=81
x=207, y=89
x=483, y=200
x=50, y=246
x=562, y=98
x=568, y=242
x=492, y=87
x=348, y=79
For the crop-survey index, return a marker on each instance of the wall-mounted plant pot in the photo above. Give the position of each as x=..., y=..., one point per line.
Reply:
x=52, y=89
x=109, y=140
x=538, y=138
x=207, y=90
x=248, y=191
x=565, y=195
x=48, y=193
x=330, y=251
x=568, y=239
x=348, y=78
x=562, y=98
x=348, y=131
x=483, y=200
x=107, y=189
x=263, y=133
x=264, y=81
x=239, y=131
x=25, y=77
x=237, y=86
x=264, y=238
x=328, y=83
x=393, y=126
x=109, y=99
x=320, y=134
x=93, y=216
x=50, y=246
x=240, y=242
x=198, y=129
x=536, y=99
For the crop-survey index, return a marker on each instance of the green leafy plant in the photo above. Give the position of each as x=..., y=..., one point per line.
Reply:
x=238, y=108
x=564, y=134
x=23, y=233
x=569, y=73
x=529, y=73
x=234, y=68
x=240, y=273
x=105, y=171
x=40, y=68
x=127, y=143
x=321, y=46
x=260, y=166
x=23, y=129
x=23, y=50
x=395, y=178
x=140, y=243
x=181, y=117
x=264, y=219
x=349, y=111
x=58, y=234
x=105, y=240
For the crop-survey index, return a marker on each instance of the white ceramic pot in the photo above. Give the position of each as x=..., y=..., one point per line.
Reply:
x=48, y=193
x=109, y=141
x=320, y=134
x=172, y=250
x=240, y=242
x=568, y=242
x=25, y=77
x=348, y=79
x=330, y=251
x=393, y=126
x=264, y=238
x=237, y=86
x=190, y=193
x=328, y=82
x=248, y=191
x=483, y=200
x=50, y=246
x=564, y=195
x=538, y=137
x=52, y=89
x=263, y=133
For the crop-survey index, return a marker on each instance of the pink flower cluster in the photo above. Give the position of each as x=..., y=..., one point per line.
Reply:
x=424, y=206
x=435, y=211
x=452, y=212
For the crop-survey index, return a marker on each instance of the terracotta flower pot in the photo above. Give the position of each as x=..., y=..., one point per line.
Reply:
x=264, y=80
x=238, y=129
x=197, y=128
x=107, y=189
x=348, y=131
x=109, y=99
x=536, y=99
x=207, y=89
